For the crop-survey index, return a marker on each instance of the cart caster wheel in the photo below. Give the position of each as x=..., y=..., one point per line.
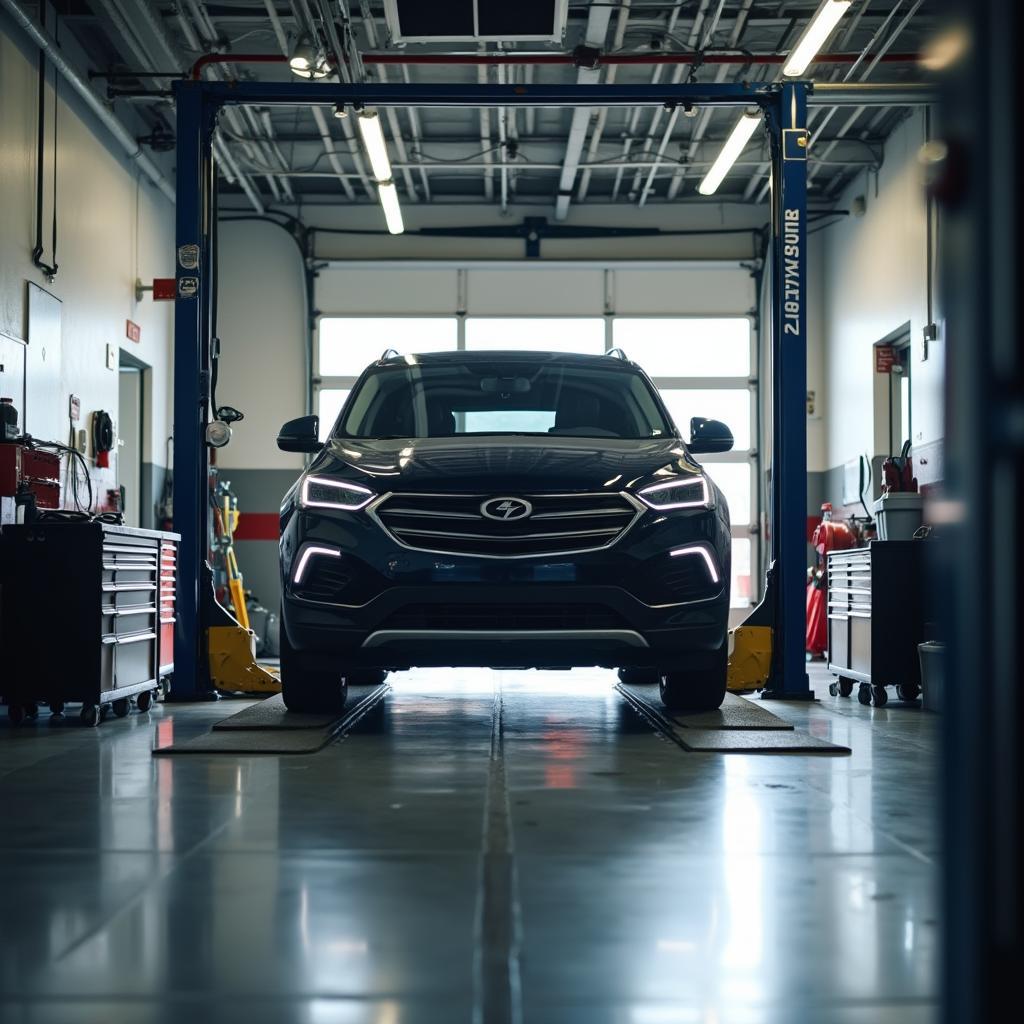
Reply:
x=144, y=700
x=32, y=710
x=56, y=707
x=90, y=715
x=121, y=706
x=833, y=689
x=864, y=693
x=908, y=693
x=845, y=687
x=879, y=696
x=16, y=714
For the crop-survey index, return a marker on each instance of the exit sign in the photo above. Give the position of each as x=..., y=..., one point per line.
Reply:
x=133, y=330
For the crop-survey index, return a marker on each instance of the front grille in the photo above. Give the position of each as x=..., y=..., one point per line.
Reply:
x=503, y=616
x=558, y=524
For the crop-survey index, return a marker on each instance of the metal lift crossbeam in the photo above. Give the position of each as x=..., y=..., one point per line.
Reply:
x=785, y=109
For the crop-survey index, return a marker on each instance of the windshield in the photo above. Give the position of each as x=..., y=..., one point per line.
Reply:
x=494, y=397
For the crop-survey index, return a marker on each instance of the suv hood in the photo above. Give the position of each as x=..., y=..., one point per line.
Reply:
x=504, y=463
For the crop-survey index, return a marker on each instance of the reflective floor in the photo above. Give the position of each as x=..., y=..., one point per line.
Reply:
x=486, y=847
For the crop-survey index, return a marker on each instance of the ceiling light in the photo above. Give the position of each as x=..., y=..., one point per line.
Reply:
x=340, y=110
x=820, y=27
x=307, y=61
x=734, y=145
x=376, y=148
x=388, y=195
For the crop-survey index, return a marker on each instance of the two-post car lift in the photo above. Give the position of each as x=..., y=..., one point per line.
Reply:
x=784, y=106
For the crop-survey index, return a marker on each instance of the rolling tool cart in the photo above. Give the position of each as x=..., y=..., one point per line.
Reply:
x=876, y=620
x=87, y=616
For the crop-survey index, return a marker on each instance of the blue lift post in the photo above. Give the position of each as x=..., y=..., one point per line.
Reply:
x=787, y=132
x=785, y=110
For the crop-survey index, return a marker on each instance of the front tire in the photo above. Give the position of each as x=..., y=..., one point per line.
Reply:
x=697, y=689
x=639, y=676
x=306, y=688
x=366, y=677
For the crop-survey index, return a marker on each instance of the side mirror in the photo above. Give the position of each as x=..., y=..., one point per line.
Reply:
x=301, y=435
x=708, y=436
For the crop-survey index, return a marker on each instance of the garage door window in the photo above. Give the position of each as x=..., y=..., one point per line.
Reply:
x=536, y=334
x=701, y=366
x=349, y=344
x=346, y=345
x=686, y=346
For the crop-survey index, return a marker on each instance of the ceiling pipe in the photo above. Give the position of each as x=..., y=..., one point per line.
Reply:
x=869, y=47
x=391, y=114
x=704, y=120
x=850, y=121
x=697, y=35
x=602, y=114
x=485, y=136
x=634, y=120
x=48, y=45
x=613, y=59
x=594, y=36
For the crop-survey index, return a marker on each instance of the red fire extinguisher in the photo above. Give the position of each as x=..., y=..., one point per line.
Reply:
x=828, y=536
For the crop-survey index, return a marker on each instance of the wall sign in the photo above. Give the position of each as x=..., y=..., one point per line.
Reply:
x=885, y=358
x=133, y=331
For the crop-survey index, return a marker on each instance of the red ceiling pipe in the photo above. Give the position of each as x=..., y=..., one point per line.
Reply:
x=624, y=58
x=235, y=58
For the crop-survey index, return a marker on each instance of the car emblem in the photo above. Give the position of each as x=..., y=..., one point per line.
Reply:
x=506, y=509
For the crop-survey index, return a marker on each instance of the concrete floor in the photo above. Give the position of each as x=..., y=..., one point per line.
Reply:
x=568, y=867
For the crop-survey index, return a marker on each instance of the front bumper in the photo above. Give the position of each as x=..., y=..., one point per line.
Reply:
x=378, y=604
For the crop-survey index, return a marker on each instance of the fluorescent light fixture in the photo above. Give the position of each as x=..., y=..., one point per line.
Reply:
x=326, y=492
x=734, y=145
x=306, y=557
x=686, y=492
x=696, y=549
x=388, y=195
x=814, y=37
x=376, y=147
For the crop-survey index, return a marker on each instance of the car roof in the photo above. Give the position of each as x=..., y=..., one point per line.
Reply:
x=509, y=356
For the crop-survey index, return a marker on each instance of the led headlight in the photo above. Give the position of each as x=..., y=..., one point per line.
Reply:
x=688, y=492
x=323, y=492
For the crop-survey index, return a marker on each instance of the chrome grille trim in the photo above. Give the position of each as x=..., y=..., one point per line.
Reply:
x=626, y=509
x=501, y=540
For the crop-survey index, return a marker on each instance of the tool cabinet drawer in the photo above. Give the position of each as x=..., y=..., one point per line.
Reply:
x=82, y=606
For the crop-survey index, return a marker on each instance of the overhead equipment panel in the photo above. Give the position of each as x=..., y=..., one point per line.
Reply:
x=462, y=21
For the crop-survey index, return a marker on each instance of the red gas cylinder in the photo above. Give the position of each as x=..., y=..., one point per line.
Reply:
x=831, y=536
x=828, y=536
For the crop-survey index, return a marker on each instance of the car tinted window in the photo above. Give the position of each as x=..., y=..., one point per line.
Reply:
x=478, y=397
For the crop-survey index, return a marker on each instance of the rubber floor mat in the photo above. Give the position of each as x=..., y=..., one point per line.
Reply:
x=756, y=741
x=741, y=739
x=279, y=731
x=735, y=712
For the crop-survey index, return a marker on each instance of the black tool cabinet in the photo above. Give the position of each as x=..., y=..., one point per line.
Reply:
x=82, y=609
x=876, y=619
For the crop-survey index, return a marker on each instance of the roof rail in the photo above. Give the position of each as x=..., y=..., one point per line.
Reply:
x=388, y=353
x=617, y=353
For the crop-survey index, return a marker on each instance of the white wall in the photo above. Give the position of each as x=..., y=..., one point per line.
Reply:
x=262, y=325
x=875, y=281
x=112, y=228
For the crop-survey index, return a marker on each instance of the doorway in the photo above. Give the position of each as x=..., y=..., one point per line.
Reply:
x=899, y=396
x=130, y=406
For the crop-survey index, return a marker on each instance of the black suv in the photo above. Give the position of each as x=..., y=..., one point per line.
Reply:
x=508, y=510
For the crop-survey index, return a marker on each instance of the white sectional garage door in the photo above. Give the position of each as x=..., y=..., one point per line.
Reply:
x=689, y=325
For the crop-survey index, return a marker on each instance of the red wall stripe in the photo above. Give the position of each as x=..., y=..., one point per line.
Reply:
x=258, y=526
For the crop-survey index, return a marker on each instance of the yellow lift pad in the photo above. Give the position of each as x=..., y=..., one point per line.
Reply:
x=232, y=660
x=751, y=657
